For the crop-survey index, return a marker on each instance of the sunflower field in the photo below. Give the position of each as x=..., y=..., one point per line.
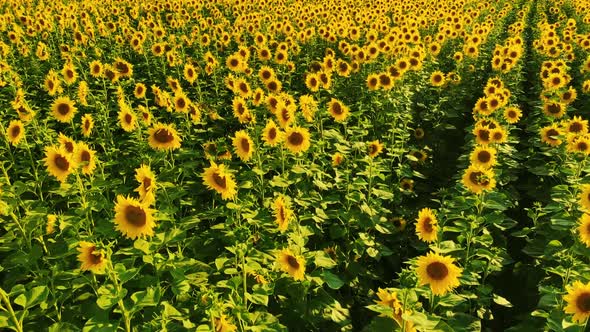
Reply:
x=294, y=165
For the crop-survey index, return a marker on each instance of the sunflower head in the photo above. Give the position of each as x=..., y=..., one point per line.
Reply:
x=218, y=178
x=59, y=162
x=85, y=157
x=282, y=212
x=90, y=258
x=483, y=156
x=133, y=218
x=291, y=264
x=578, y=301
x=478, y=179
x=243, y=145
x=338, y=110
x=437, y=79
x=550, y=135
x=584, y=229
x=63, y=109
x=374, y=148
x=271, y=134
x=427, y=225
x=163, y=137
x=439, y=272
x=297, y=139
x=337, y=159
x=15, y=132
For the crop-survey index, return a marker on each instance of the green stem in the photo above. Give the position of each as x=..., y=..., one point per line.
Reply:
x=18, y=324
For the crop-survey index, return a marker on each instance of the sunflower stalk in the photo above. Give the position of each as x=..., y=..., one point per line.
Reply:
x=124, y=312
x=35, y=171
x=18, y=324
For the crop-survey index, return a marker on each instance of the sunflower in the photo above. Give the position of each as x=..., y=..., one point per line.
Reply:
x=139, y=91
x=439, y=272
x=373, y=82
x=15, y=132
x=374, y=148
x=181, y=102
x=145, y=114
x=337, y=159
x=133, y=218
x=419, y=133
x=96, y=68
x=90, y=258
x=69, y=74
x=190, y=73
x=312, y=82
x=85, y=157
x=266, y=74
x=258, y=97
x=385, y=81
x=218, y=178
x=297, y=139
x=482, y=134
x=577, y=126
x=274, y=85
x=578, y=301
x=282, y=213
x=554, y=109
x=271, y=134
x=58, y=162
x=579, y=144
x=483, y=156
x=482, y=107
x=478, y=179
x=222, y=324
x=243, y=88
x=123, y=68
x=389, y=299
x=293, y=265
x=127, y=118
x=67, y=143
x=584, y=229
x=437, y=78
x=87, y=124
x=338, y=110
x=163, y=137
x=512, y=114
x=550, y=135
x=309, y=107
x=147, y=184
x=584, y=197
x=63, y=109
x=243, y=145
x=427, y=225
x=285, y=114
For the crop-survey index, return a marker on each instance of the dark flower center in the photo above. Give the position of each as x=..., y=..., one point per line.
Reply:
x=15, y=131
x=135, y=216
x=437, y=271
x=85, y=156
x=337, y=108
x=484, y=135
x=272, y=133
x=484, y=156
x=61, y=162
x=437, y=79
x=220, y=181
x=128, y=118
x=245, y=145
x=428, y=225
x=94, y=259
x=551, y=133
x=180, y=103
x=147, y=183
x=554, y=108
x=583, y=302
x=582, y=146
x=292, y=261
x=575, y=127
x=63, y=109
x=266, y=75
x=296, y=138
x=384, y=80
x=163, y=136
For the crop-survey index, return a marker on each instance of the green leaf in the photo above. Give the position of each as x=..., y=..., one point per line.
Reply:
x=147, y=298
x=324, y=260
x=332, y=280
x=499, y=300
x=142, y=245
x=32, y=297
x=108, y=296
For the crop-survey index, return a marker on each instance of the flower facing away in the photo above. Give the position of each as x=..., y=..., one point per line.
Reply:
x=439, y=272
x=147, y=184
x=282, y=213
